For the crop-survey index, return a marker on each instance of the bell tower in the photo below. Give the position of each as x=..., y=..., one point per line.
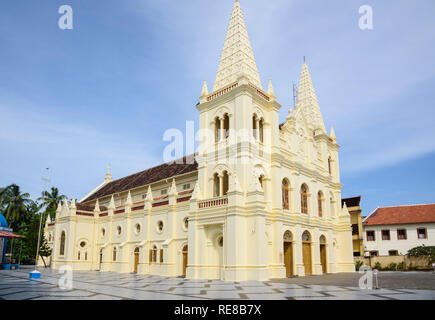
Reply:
x=238, y=124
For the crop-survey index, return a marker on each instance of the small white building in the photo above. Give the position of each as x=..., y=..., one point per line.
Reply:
x=390, y=231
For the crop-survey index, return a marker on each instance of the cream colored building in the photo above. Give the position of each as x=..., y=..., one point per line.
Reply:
x=259, y=199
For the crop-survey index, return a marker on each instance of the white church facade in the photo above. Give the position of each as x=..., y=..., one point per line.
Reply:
x=259, y=200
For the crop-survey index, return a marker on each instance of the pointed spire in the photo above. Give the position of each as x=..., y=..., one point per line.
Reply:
x=108, y=174
x=196, y=195
x=48, y=221
x=270, y=90
x=307, y=100
x=59, y=208
x=73, y=203
x=97, y=206
x=129, y=201
x=149, y=196
x=237, y=56
x=332, y=135
x=173, y=189
x=65, y=204
x=204, y=90
x=112, y=203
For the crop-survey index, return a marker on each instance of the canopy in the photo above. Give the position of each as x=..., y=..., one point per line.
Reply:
x=6, y=234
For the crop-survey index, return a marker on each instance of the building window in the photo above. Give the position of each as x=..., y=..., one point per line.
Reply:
x=114, y=253
x=164, y=192
x=160, y=226
x=371, y=236
x=217, y=129
x=62, y=243
x=285, y=194
x=225, y=183
x=78, y=256
x=119, y=230
x=422, y=233
x=226, y=126
x=401, y=234
x=254, y=126
x=320, y=203
x=186, y=223
x=216, y=185
x=304, y=199
x=220, y=241
x=161, y=255
x=261, y=129
x=86, y=256
x=151, y=255
x=374, y=253
x=330, y=165
x=393, y=253
x=103, y=232
x=385, y=234
x=137, y=228
x=355, y=229
x=186, y=186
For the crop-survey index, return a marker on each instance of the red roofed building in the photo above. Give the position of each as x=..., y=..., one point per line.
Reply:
x=395, y=230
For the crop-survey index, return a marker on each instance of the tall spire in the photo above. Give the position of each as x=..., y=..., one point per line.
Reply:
x=307, y=100
x=237, y=56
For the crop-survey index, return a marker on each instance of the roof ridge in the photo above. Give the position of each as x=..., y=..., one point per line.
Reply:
x=408, y=205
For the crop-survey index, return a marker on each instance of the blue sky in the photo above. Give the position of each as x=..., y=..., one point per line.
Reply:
x=105, y=92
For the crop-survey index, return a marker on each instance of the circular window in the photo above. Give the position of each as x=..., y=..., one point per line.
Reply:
x=82, y=244
x=119, y=230
x=137, y=228
x=160, y=226
x=186, y=223
x=103, y=232
x=220, y=241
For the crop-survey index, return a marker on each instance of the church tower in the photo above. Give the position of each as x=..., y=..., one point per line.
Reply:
x=235, y=151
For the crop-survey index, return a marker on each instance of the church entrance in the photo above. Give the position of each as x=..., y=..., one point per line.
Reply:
x=323, y=253
x=185, y=251
x=101, y=259
x=288, y=253
x=136, y=259
x=306, y=252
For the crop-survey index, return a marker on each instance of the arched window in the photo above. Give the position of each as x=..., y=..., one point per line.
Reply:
x=304, y=199
x=320, y=203
x=329, y=165
x=261, y=180
x=114, y=253
x=285, y=194
x=261, y=129
x=225, y=183
x=86, y=255
x=216, y=185
x=78, y=257
x=322, y=239
x=306, y=237
x=62, y=243
x=217, y=129
x=254, y=126
x=226, y=126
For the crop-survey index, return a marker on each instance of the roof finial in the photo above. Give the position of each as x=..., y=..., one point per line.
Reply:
x=108, y=174
x=304, y=59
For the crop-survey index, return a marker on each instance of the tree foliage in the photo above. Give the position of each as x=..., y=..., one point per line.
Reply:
x=423, y=251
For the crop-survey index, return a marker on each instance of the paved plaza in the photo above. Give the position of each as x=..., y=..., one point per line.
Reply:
x=94, y=285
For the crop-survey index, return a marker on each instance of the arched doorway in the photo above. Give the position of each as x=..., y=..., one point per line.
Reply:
x=322, y=242
x=185, y=250
x=101, y=258
x=288, y=253
x=306, y=252
x=136, y=259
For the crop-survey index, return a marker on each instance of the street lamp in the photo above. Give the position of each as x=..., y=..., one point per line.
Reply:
x=35, y=274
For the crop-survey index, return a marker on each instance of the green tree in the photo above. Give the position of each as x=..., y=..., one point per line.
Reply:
x=51, y=201
x=15, y=204
x=44, y=249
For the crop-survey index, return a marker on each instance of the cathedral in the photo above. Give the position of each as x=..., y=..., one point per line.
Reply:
x=258, y=200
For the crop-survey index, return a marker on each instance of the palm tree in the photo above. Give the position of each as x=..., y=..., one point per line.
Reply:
x=51, y=199
x=15, y=203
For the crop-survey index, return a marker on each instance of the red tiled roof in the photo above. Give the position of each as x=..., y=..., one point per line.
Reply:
x=401, y=215
x=163, y=171
x=6, y=234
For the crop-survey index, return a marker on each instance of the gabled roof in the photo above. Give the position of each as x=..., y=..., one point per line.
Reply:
x=420, y=213
x=143, y=178
x=351, y=202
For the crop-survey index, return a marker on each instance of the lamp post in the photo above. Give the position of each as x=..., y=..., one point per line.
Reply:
x=35, y=274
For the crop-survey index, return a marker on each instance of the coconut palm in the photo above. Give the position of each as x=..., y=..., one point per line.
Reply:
x=15, y=203
x=51, y=199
